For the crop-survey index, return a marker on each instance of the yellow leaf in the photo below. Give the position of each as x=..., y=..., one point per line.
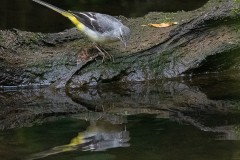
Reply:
x=162, y=25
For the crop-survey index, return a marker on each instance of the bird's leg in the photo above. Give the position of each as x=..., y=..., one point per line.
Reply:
x=109, y=55
x=104, y=53
x=101, y=53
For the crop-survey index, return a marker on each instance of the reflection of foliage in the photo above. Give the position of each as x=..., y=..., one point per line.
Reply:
x=237, y=130
x=237, y=7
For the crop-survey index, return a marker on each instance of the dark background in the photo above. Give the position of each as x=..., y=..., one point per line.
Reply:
x=27, y=15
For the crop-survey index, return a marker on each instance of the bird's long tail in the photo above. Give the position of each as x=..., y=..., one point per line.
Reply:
x=67, y=14
x=61, y=11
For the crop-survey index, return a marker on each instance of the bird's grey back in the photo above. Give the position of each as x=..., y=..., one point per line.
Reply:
x=97, y=21
x=108, y=22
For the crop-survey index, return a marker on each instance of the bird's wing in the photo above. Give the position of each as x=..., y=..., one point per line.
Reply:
x=88, y=19
x=96, y=21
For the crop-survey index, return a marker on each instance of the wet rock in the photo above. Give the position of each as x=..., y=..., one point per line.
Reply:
x=153, y=53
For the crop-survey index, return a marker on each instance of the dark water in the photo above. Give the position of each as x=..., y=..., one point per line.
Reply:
x=194, y=118
x=26, y=15
x=141, y=137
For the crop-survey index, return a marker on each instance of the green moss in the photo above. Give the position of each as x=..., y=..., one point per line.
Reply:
x=34, y=38
x=30, y=39
x=167, y=18
x=236, y=9
x=158, y=64
x=1, y=39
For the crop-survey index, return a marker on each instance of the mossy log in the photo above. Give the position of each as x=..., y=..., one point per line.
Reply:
x=33, y=59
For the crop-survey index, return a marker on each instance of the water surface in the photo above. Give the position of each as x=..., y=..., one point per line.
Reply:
x=195, y=118
x=142, y=137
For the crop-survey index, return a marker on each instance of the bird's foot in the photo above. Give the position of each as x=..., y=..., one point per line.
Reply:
x=105, y=55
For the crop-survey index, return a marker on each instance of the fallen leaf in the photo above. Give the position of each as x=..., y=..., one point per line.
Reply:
x=162, y=25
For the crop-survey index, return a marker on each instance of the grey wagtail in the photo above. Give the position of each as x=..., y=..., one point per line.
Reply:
x=99, y=28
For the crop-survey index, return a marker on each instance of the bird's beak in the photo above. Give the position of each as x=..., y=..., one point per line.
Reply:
x=124, y=43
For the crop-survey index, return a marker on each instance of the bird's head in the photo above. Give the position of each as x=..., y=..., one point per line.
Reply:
x=124, y=35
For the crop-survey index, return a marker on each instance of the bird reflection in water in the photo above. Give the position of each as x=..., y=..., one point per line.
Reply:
x=99, y=136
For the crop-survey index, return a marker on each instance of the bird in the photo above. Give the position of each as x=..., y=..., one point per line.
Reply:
x=99, y=28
